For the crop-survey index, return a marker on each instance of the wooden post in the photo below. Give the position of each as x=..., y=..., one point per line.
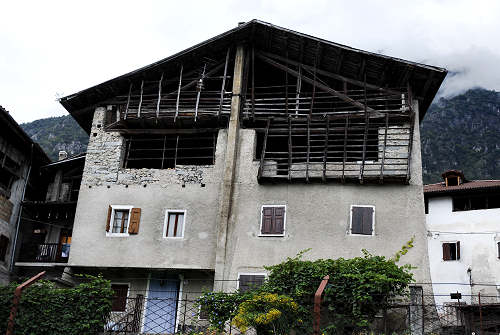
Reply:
x=480, y=314
x=200, y=84
x=289, y=148
x=140, y=100
x=223, y=88
x=383, y=149
x=128, y=100
x=178, y=95
x=308, y=147
x=297, y=91
x=325, y=150
x=365, y=137
x=253, y=83
x=345, y=147
x=159, y=97
x=264, y=145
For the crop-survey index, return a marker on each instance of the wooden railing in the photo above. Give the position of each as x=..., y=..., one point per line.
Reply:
x=44, y=253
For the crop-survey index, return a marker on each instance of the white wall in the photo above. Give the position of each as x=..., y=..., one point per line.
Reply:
x=478, y=232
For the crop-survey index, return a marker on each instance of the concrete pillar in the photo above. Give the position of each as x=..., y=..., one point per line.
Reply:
x=225, y=198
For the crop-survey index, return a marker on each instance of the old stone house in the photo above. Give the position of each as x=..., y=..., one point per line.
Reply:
x=20, y=158
x=243, y=150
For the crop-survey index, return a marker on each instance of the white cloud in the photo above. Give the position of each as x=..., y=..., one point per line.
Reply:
x=60, y=47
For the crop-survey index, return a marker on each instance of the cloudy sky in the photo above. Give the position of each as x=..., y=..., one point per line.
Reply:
x=54, y=48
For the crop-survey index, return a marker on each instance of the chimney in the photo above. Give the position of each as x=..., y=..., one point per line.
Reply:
x=63, y=155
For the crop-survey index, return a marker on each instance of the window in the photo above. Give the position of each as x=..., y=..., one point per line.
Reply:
x=474, y=202
x=250, y=281
x=451, y=251
x=174, y=223
x=203, y=312
x=119, y=302
x=362, y=220
x=123, y=220
x=166, y=152
x=4, y=245
x=272, y=222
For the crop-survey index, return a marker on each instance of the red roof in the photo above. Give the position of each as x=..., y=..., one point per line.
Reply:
x=467, y=186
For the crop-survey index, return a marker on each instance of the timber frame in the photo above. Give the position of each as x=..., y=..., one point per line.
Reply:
x=321, y=111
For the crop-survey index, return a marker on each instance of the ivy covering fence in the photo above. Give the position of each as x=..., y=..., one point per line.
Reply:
x=45, y=309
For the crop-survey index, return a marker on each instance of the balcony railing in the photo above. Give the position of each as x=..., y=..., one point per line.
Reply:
x=44, y=253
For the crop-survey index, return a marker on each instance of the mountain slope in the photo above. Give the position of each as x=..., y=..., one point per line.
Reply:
x=463, y=133
x=57, y=133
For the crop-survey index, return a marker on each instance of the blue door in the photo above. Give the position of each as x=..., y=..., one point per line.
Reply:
x=161, y=306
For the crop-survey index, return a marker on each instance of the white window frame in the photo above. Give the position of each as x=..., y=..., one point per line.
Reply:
x=111, y=220
x=266, y=276
x=451, y=260
x=128, y=294
x=165, y=222
x=349, y=232
x=261, y=216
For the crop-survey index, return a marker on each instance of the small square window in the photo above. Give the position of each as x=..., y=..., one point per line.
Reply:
x=362, y=220
x=250, y=281
x=451, y=251
x=174, y=223
x=272, y=222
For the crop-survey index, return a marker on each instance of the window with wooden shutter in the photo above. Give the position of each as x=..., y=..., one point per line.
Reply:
x=4, y=245
x=362, y=220
x=119, y=302
x=249, y=282
x=451, y=251
x=135, y=220
x=273, y=220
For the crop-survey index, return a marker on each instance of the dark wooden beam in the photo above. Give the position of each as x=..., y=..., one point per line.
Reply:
x=319, y=85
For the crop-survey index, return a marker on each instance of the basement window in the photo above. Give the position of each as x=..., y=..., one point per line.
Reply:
x=169, y=151
x=250, y=281
x=451, y=251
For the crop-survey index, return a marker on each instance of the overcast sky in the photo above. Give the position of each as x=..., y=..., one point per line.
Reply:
x=55, y=48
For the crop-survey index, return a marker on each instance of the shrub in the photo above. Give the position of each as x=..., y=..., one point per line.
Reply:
x=268, y=313
x=221, y=307
x=47, y=310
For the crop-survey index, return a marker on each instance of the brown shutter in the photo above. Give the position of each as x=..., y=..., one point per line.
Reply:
x=458, y=250
x=357, y=220
x=267, y=220
x=279, y=220
x=108, y=222
x=367, y=226
x=135, y=220
x=446, y=252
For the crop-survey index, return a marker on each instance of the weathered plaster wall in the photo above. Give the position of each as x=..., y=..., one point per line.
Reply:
x=194, y=189
x=478, y=232
x=318, y=218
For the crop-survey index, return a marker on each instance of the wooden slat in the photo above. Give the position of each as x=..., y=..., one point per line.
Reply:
x=345, y=145
x=308, y=147
x=128, y=100
x=261, y=168
x=199, y=92
x=178, y=94
x=223, y=88
x=159, y=97
x=383, y=148
x=140, y=100
x=289, y=148
x=325, y=150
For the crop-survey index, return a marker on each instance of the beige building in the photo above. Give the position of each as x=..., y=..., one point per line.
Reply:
x=242, y=151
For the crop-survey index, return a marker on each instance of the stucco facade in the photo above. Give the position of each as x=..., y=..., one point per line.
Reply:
x=478, y=269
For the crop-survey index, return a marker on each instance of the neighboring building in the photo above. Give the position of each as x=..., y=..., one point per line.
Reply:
x=47, y=222
x=242, y=151
x=20, y=158
x=463, y=219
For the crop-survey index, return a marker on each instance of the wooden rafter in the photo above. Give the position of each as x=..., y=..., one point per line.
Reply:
x=320, y=86
x=329, y=74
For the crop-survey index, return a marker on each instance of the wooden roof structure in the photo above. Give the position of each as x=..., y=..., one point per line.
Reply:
x=352, y=64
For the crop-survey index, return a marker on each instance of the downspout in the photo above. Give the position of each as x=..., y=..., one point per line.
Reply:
x=20, y=211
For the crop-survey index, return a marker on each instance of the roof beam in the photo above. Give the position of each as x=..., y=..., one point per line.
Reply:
x=318, y=85
x=330, y=74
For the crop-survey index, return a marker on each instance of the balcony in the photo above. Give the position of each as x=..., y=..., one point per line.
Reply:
x=44, y=253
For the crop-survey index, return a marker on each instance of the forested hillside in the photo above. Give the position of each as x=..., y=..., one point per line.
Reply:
x=57, y=133
x=462, y=132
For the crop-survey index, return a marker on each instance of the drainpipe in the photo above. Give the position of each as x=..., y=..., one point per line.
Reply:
x=20, y=211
